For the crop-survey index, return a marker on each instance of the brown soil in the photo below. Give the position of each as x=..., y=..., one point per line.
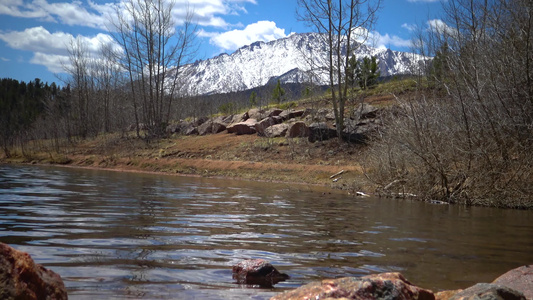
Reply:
x=220, y=155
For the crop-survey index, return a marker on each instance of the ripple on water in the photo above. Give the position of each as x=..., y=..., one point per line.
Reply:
x=132, y=236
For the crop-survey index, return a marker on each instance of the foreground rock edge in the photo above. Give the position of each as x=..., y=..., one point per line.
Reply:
x=516, y=284
x=22, y=278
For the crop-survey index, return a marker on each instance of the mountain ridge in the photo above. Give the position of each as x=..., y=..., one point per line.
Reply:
x=294, y=59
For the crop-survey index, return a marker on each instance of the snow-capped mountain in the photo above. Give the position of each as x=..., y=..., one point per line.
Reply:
x=292, y=60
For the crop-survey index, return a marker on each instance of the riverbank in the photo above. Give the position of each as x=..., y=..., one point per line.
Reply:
x=249, y=157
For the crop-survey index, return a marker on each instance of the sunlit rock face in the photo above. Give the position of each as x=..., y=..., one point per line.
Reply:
x=378, y=286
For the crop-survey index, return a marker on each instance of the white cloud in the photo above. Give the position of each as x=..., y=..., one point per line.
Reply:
x=69, y=13
x=376, y=39
x=37, y=39
x=51, y=49
x=4, y=59
x=441, y=27
x=409, y=27
x=53, y=62
x=385, y=41
x=260, y=31
x=94, y=15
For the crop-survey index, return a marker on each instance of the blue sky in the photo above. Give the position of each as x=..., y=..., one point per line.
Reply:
x=34, y=34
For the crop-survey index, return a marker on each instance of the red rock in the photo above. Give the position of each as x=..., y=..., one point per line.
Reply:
x=22, y=278
x=246, y=127
x=520, y=279
x=379, y=286
x=257, y=271
x=264, y=124
x=298, y=129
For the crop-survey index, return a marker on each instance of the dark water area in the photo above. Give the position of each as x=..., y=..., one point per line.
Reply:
x=114, y=235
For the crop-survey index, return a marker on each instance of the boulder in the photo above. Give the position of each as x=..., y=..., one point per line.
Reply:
x=378, y=286
x=226, y=120
x=309, y=112
x=189, y=129
x=298, y=129
x=211, y=127
x=277, y=130
x=324, y=114
x=291, y=114
x=488, y=291
x=246, y=127
x=173, y=128
x=520, y=279
x=264, y=124
x=330, y=115
x=273, y=112
x=358, y=132
x=257, y=271
x=257, y=114
x=22, y=278
x=238, y=118
x=321, y=132
x=365, y=111
x=200, y=121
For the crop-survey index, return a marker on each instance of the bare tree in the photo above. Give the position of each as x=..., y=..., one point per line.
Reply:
x=343, y=25
x=154, y=50
x=80, y=82
x=470, y=141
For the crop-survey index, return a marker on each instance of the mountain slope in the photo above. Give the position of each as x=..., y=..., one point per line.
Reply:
x=289, y=59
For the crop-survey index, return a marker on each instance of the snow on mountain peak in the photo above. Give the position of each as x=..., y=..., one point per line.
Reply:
x=288, y=59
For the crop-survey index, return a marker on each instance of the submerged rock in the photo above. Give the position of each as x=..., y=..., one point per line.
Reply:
x=257, y=271
x=379, y=286
x=22, y=278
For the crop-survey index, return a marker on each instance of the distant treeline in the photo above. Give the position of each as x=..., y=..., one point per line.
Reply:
x=42, y=111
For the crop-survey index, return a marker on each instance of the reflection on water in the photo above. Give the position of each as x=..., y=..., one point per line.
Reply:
x=119, y=235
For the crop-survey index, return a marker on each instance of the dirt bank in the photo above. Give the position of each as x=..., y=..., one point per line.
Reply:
x=221, y=155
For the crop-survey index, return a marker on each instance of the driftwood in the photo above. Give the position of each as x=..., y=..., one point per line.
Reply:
x=337, y=174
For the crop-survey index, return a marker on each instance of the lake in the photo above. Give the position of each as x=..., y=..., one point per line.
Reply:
x=113, y=235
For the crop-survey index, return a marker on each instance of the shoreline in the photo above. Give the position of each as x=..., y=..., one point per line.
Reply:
x=290, y=173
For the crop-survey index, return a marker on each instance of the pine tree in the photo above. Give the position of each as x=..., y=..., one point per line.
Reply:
x=278, y=93
x=253, y=99
x=352, y=71
x=368, y=73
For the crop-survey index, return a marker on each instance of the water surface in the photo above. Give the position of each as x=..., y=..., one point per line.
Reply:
x=114, y=235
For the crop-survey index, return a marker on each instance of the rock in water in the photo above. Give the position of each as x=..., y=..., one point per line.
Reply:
x=257, y=271
x=379, y=286
x=488, y=291
x=520, y=279
x=22, y=278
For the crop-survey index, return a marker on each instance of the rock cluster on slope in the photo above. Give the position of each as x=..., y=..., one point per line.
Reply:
x=314, y=124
